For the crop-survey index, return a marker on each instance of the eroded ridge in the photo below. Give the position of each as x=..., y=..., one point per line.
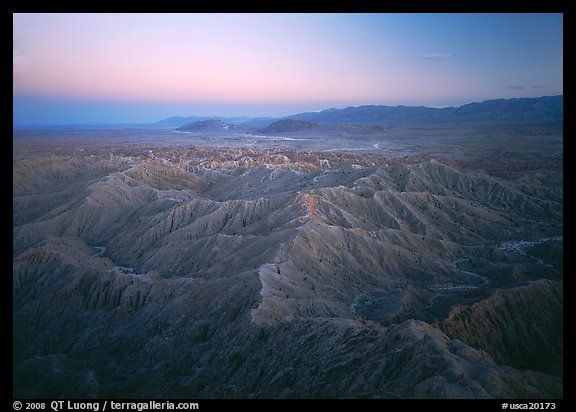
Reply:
x=242, y=272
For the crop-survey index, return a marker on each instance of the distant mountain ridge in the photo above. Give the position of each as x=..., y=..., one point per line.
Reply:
x=546, y=108
x=205, y=126
x=540, y=108
x=288, y=126
x=181, y=120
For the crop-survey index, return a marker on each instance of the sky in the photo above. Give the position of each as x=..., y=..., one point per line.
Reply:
x=140, y=68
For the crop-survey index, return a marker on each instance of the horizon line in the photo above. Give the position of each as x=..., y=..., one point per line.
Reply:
x=259, y=117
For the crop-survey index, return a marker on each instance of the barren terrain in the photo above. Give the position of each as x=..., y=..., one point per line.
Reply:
x=394, y=262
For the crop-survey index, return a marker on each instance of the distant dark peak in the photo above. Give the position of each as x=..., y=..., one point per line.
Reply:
x=287, y=126
x=182, y=121
x=211, y=125
x=547, y=108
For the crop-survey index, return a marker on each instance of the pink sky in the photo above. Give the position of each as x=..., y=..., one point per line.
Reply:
x=323, y=58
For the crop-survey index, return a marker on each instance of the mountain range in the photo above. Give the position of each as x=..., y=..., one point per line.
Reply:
x=546, y=108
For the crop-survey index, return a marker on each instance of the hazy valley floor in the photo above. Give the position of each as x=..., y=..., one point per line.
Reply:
x=165, y=269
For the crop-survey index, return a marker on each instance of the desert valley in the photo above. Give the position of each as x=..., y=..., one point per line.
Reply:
x=368, y=252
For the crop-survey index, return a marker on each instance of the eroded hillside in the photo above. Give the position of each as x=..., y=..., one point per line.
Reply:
x=163, y=271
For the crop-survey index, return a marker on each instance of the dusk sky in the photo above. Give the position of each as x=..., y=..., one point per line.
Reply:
x=123, y=68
